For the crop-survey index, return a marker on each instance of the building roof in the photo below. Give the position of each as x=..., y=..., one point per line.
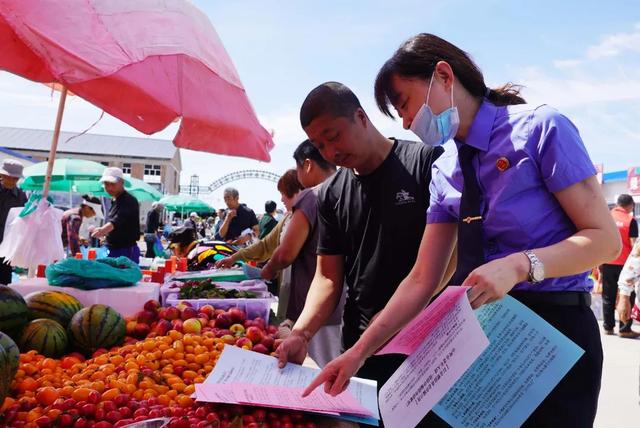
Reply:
x=94, y=144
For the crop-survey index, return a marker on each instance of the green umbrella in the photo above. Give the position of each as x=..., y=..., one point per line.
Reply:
x=68, y=174
x=184, y=203
x=82, y=176
x=138, y=188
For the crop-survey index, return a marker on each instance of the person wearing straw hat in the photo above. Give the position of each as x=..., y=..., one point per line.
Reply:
x=10, y=197
x=122, y=229
x=72, y=220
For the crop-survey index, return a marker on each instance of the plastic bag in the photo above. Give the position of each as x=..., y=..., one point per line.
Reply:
x=34, y=236
x=94, y=274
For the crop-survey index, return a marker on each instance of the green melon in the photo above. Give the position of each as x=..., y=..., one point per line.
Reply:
x=54, y=305
x=95, y=327
x=5, y=375
x=14, y=313
x=13, y=353
x=46, y=336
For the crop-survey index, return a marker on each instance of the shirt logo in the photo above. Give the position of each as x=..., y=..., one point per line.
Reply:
x=403, y=197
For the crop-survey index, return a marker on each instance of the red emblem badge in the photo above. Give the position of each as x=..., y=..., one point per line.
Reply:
x=502, y=164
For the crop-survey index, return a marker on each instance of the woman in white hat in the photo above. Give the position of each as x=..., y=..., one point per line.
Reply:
x=10, y=197
x=72, y=220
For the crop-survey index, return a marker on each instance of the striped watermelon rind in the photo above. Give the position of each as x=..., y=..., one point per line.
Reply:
x=12, y=351
x=54, y=305
x=14, y=314
x=97, y=326
x=46, y=336
x=5, y=375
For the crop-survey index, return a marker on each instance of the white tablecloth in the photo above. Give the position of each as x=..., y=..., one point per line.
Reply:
x=126, y=300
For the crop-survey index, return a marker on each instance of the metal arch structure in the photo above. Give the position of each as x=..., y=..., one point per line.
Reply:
x=228, y=178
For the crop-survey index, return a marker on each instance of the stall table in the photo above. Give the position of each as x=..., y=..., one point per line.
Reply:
x=126, y=300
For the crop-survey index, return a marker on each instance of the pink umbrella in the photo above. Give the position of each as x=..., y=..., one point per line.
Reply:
x=146, y=62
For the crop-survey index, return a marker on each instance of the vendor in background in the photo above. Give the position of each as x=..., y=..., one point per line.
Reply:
x=151, y=228
x=72, y=221
x=238, y=218
x=191, y=221
x=268, y=220
x=122, y=230
x=10, y=197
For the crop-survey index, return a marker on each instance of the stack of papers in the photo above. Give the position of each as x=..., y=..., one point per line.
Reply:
x=246, y=377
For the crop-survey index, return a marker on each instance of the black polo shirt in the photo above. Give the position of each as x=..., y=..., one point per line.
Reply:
x=245, y=219
x=376, y=222
x=124, y=214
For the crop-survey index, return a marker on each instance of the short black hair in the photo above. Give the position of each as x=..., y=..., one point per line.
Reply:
x=330, y=97
x=269, y=207
x=625, y=200
x=91, y=198
x=306, y=150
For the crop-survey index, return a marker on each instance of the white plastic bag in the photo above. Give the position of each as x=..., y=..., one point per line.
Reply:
x=35, y=239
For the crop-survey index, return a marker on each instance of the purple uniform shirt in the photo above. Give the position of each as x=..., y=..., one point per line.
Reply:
x=544, y=154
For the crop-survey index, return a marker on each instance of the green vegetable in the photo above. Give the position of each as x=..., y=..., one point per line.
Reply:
x=207, y=289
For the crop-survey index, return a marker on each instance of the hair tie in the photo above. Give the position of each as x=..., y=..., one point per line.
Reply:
x=487, y=92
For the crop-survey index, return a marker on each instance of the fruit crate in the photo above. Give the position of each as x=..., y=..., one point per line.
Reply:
x=256, y=286
x=257, y=307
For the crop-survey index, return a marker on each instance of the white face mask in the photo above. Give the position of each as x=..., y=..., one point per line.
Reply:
x=435, y=130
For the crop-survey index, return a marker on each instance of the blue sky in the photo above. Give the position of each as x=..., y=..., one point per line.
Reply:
x=582, y=57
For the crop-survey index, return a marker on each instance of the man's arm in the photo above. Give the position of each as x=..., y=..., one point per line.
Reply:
x=290, y=245
x=324, y=294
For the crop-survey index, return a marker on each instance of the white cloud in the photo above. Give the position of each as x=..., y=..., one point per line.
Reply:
x=615, y=44
x=599, y=90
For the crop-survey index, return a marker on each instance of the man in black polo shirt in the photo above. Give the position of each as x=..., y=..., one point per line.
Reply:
x=238, y=219
x=371, y=216
x=123, y=221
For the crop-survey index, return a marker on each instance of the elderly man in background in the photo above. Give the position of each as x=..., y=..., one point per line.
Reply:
x=122, y=230
x=152, y=226
x=10, y=197
x=238, y=219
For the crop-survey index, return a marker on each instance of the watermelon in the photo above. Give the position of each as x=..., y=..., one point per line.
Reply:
x=13, y=353
x=54, y=305
x=5, y=375
x=98, y=326
x=46, y=336
x=14, y=313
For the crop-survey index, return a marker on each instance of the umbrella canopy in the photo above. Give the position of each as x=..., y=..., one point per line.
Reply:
x=146, y=62
x=185, y=203
x=138, y=188
x=66, y=174
x=82, y=176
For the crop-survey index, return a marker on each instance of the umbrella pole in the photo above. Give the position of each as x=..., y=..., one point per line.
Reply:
x=54, y=143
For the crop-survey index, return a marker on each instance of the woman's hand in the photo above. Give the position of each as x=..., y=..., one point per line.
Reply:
x=335, y=375
x=227, y=262
x=493, y=280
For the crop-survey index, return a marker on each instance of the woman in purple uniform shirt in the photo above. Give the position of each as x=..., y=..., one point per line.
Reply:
x=517, y=191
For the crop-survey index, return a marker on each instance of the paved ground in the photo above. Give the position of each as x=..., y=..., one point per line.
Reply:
x=619, y=404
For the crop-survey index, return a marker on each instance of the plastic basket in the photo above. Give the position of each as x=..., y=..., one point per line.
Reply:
x=258, y=307
x=227, y=275
x=256, y=286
